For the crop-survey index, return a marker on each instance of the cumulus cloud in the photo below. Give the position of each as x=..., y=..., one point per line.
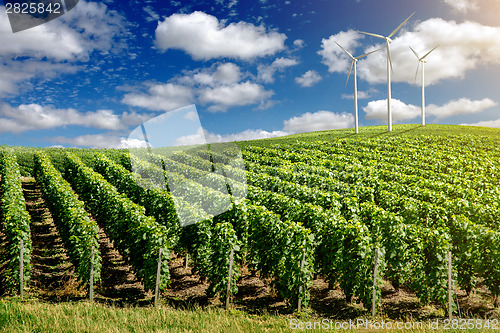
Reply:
x=332, y=54
x=266, y=72
x=462, y=6
x=220, y=87
x=486, y=123
x=204, y=37
x=89, y=27
x=462, y=47
x=401, y=111
x=100, y=141
x=240, y=94
x=227, y=73
x=318, y=121
x=51, y=49
x=299, y=43
x=204, y=136
x=28, y=117
x=307, y=122
x=16, y=75
x=161, y=97
x=309, y=79
x=461, y=106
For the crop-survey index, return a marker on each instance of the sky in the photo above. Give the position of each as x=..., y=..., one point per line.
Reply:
x=229, y=70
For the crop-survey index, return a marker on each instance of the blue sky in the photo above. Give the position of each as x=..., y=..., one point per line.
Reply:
x=251, y=69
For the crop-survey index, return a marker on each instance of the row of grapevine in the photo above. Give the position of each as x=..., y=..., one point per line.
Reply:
x=481, y=179
x=78, y=232
x=352, y=264
x=470, y=205
x=137, y=237
x=208, y=246
x=392, y=196
x=248, y=227
x=16, y=223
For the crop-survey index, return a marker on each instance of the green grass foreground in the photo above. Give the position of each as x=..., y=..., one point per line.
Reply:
x=36, y=316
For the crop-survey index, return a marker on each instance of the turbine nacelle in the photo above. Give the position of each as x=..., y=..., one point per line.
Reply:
x=420, y=59
x=388, y=40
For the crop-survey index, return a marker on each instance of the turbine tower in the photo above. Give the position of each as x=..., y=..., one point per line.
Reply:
x=353, y=63
x=389, y=68
x=421, y=60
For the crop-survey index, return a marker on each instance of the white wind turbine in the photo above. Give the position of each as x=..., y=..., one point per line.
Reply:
x=389, y=68
x=353, y=63
x=421, y=60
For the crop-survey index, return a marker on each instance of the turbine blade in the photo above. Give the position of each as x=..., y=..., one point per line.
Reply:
x=389, y=56
x=415, y=80
x=364, y=55
x=428, y=53
x=374, y=35
x=350, y=55
x=399, y=27
x=416, y=54
x=352, y=63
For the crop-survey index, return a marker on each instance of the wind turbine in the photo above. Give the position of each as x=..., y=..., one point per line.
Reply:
x=353, y=63
x=421, y=60
x=388, y=40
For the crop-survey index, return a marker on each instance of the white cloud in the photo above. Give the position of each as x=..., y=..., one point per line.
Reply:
x=462, y=6
x=203, y=136
x=204, y=37
x=220, y=87
x=402, y=111
x=486, y=123
x=152, y=15
x=100, y=141
x=299, y=43
x=461, y=106
x=89, y=27
x=161, y=97
x=309, y=79
x=227, y=73
x=28, y=117
x=51, y=49
x=240, y=94
x=16, y=75
x=333, y=56
x=462, y=47
x=318, y=121
x=266, y=73
x=307, y=122
x=361, y=94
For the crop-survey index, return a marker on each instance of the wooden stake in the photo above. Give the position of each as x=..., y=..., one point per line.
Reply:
x=158, y=275
x=375, y=273
x=186, y=261
x=91, y=287
x=230, y=274
x=302, y=263
x=450, y=290
x=21, y=268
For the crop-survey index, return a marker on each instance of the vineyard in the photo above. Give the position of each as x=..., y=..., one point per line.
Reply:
x=357, y=212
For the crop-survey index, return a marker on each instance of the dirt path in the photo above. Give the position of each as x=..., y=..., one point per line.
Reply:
x=119, y=284
x=52, y=273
